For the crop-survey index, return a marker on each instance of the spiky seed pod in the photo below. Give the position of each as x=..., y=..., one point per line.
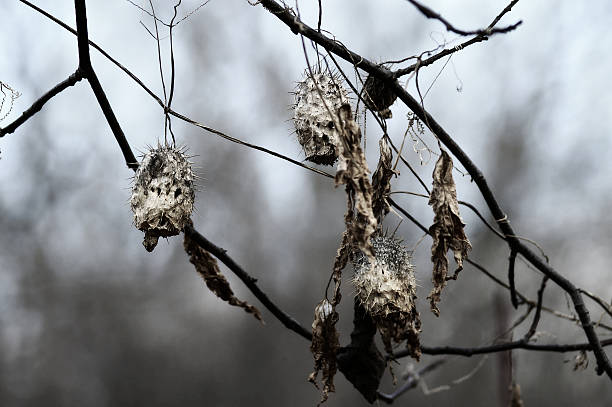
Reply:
x=163, y=194
x=313, y=124
x=387, y=291
x=378, y=96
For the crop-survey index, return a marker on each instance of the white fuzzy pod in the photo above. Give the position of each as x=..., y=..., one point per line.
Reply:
x=163, y=194
x=387, y=291
x=314, y=126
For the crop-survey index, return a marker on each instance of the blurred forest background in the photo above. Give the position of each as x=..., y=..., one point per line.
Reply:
x=89, y=318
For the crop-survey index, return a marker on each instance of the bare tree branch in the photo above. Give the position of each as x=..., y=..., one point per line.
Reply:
x=88, y=71
x=38, y=104
x=511, y=262
x=429, y=13
x=250, y=282
x=502, y=347
x=536, y=317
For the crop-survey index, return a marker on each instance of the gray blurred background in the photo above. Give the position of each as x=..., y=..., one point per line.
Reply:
x=88, y=317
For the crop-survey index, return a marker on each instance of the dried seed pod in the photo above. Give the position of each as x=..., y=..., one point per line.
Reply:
x=378, y=96
x=163, y=194
x=387, y=290
x=314, y=126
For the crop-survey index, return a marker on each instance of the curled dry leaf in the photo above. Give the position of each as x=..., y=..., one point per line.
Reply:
x=381, y=181
x=324, y=347
x=342, y=258
x=447, y=230
x=353, y=172
x=207, y=267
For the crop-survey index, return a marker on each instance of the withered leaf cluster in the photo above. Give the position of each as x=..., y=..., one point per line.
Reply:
x=381, y=181
x=324, y=346
x=360, y=223
x=447, y=229
x=353, y=172
x=206, y=265
x=359, y=218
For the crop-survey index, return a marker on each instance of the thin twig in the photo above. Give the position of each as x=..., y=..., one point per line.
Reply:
x=478, y=38
x=502, y=347
x=40, y=102
x=89, y=73
x=429, y=13
x=511, y=263
x=249, y=145
x=607, y=307
x=487, y=273
x=536, y=317
x=411, y=382
x=487, y=224
x=249, y=281
x=170, y=111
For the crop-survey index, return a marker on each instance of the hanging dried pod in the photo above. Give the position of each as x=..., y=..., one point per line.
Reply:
x=316, y=97
x=378, y=96
x=162, y=194
x=387, y=291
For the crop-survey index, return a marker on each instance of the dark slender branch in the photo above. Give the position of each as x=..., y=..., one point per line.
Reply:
x=502, y=347
x=172, y=69
x=446, y=52
x=487, y=224
x=407, y=164
x=38, y=104
x=607, y=307
x=82, y=36
x=536, y=317
x=130, y=160
x=478, y=38
x=411, y=382
x=244, y=143
x=429, y=13
x=97, y=47
x=511, y=262
x=170, y=111
x=159, y=56
x=90, y=74
x=249, y=281
x=483, y=270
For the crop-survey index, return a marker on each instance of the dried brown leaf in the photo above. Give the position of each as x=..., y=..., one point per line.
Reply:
x=342, y=258
x=447, y=230
x=381, y=181
x=353, y=172
x=206, y=265
x=324, y=346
